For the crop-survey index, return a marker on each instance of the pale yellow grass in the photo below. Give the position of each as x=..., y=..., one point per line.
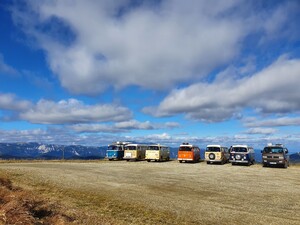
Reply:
x=102, y=192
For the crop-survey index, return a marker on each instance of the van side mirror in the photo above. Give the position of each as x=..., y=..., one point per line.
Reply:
x=286, y=151
x=261, y=151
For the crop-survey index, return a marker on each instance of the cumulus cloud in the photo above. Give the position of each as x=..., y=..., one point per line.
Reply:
x=74, y=111
x=118, y=44
x=272, y=90
x=10, y=101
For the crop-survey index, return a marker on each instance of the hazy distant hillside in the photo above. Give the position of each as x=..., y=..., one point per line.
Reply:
x=295, y=158
x=49, y=151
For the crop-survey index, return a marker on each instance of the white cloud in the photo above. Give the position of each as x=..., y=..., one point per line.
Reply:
x=275, y=89
x=149, y=46
x=6, y=69
x=10, y=101
x=122, y=127
x=259, y=130
x=94, y=128
x=134, y=124
x=74, y=111
x=281, y=22
x=274, y=122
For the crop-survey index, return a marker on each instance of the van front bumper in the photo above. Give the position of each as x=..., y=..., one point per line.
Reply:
x=279, y=162
x=184, y=159
x=239, y=161
x=213, y=160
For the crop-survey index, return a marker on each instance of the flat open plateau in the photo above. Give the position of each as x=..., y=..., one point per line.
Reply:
x=120, y=192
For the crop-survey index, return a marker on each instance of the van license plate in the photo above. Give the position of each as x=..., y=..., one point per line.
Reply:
x=273, y=163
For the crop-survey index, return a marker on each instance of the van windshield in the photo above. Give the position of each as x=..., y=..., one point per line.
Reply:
x=130, y=148
x=273, y=150
x=153, y=147
x=239, y=149
x=184, y=148
x=112, y=147
x=213, y=149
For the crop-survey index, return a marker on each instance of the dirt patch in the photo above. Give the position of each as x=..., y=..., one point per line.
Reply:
x=22, y=207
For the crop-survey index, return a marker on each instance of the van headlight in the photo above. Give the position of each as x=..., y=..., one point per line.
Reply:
x=265, y=157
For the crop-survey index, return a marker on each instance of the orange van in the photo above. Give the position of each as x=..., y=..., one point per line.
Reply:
x=188, y=152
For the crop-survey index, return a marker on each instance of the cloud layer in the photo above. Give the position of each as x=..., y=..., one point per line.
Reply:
x=272, y=90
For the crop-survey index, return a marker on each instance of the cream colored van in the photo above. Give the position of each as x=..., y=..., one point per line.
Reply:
x=157, y=152
x=216, y=154
x=135, y=152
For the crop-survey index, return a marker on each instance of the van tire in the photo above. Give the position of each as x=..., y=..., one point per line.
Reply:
x=180, y=161
x=265, y=165
x=207, y=162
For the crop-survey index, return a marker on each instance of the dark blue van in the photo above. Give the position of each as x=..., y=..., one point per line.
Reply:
x=241, y=154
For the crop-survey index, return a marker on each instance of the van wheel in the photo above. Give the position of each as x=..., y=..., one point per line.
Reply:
x=148, y=160
x=180, y=161
x=265, y=164
x=207, y=162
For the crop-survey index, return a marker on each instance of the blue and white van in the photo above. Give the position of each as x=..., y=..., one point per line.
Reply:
x=116, y=150
x=241, y=154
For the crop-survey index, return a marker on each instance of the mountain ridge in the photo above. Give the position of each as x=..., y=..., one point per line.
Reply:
x=35, y=150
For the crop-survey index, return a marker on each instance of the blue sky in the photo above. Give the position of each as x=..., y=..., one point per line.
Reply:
x=205, y=72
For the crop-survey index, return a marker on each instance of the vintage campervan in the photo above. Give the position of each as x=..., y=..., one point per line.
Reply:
x=157, y=152
x=188, y=153
x=135, y=152
x=116, y=150
x=241, y=154
x=275, y=155
x=216, y=154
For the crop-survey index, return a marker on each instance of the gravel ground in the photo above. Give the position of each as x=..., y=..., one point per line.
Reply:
x=186, y=193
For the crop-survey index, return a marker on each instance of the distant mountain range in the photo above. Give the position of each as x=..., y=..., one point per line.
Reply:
x=33, y=150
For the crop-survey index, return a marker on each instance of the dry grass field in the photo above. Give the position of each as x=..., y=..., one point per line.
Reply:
x=104, y=192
